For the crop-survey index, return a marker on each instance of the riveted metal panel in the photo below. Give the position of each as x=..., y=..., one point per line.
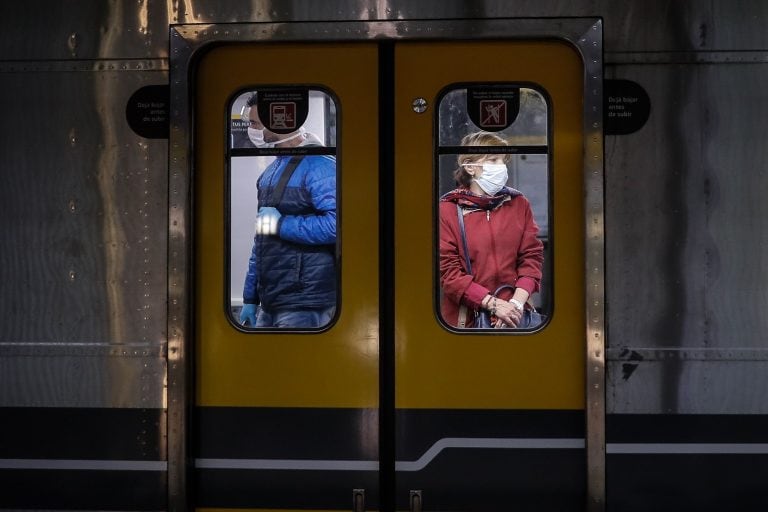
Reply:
x=83, y=261
x=656, y=25
x=675, y=386
x=687, y=242
x=688, y=234
x=138, y=29
x=83, y=210
x=129, y=378
x=53, y=30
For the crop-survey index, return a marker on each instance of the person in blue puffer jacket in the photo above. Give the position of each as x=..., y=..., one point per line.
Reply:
x=291, y=278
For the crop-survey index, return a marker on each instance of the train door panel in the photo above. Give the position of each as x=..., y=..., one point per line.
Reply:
x=489, y=419
x=286, y=417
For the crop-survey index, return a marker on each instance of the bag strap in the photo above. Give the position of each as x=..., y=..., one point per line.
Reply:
x=277, y=194
x=462, y=321
x=503, y=287
x=464, y=244
x=528, y=302
x=463, y=310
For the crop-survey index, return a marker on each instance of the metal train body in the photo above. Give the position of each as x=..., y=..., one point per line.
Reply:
x=126, y=382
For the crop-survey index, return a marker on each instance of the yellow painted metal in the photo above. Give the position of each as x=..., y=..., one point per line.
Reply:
x=436, y=368
x=335, y=368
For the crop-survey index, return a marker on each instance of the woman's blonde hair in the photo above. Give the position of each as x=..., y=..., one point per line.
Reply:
x=461, y=175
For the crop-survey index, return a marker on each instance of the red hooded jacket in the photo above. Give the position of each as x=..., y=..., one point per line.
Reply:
x=503, y=248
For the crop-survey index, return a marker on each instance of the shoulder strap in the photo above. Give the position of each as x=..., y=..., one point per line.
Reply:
x=463, y=310
x=463, y=313
x=464, y=238
x=277, y=193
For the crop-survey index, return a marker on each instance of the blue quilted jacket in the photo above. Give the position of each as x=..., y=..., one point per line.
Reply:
x=296, y=268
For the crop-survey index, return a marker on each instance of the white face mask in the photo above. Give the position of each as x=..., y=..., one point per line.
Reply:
x=300, y=133
x=257, y=137
x=493, y=178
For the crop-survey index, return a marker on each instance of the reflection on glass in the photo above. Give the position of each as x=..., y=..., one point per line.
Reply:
x=282, y=209
x=493, y=182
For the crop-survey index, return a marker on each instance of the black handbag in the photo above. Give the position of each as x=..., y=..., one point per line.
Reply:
x=530, y=319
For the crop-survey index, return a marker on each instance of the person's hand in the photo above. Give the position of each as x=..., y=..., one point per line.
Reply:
x=267, y=221
x=248, y=314
x=507, y=314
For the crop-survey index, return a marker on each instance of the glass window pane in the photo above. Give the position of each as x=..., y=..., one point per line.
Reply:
x=282, y=209
x=494, y=248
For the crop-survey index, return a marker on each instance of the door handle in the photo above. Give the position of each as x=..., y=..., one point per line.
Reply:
x=416, y=501
x=358, y=500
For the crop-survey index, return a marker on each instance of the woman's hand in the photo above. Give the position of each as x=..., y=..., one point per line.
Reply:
x=507, y=314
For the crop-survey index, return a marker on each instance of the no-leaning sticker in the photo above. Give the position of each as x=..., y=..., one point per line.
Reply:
x=493, y=109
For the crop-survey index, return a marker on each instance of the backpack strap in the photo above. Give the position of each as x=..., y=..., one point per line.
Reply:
x=277, y=194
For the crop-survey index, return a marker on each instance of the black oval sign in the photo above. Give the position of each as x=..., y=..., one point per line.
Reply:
x=283, y=110
x=147, y=111
x=626, y=106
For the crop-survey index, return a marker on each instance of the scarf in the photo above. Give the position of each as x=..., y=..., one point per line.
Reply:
x=468, y=199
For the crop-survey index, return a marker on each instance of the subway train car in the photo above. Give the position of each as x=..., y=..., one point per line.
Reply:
x=228, y=255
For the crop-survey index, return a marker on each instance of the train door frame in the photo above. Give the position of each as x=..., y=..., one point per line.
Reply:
x=188, y=42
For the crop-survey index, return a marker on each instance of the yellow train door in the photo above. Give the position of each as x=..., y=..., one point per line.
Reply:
x=385, y=403
x=494, y=419
x=285, y=416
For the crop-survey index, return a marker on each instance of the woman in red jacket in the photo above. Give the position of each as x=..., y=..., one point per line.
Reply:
x=501, y=239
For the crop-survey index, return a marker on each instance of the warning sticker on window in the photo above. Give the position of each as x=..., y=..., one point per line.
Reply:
x=493, y=109
x=283, y=110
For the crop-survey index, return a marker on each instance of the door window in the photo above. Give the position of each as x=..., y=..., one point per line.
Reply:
x=493, y=183
x=282, y=209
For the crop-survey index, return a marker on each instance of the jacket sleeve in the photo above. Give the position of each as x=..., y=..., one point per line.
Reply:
x=250, y=288
x=530, y=257
x=458, y=286
x=318, y=228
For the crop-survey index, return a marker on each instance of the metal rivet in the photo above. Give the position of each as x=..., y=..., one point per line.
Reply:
x=419, y=105
x=73, y=42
